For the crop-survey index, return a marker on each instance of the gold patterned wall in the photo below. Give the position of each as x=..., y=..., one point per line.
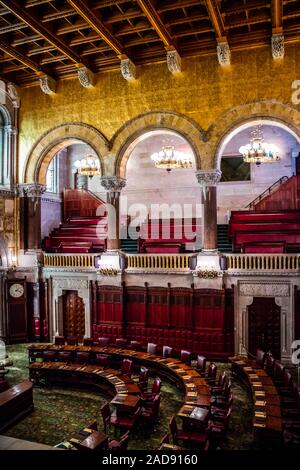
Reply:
x=203, y=91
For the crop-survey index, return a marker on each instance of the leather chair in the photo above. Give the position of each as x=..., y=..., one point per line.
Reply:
x=103, y=342
x=121, y=444
x=49, y=356
x=201, y=364
x=211, y=374
x=64, y=356
x=126, y=421
x=179, y=434
x=121, y=343
x=72, y=340
x=59, y=340
x=151, y=348
x=148, y=396
x=185, y=356
x=150, y=413
x=136, y=345
x=270, y=364
x=102, y=360
x=260, y=357
x=82, y=357
x=126, y=367
x=279, y=370
x=143, y=378
x=167, y=351
x=219, y=387
x=88, y=341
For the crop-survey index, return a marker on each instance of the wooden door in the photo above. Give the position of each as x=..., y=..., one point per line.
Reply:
x=264, y=325
x=73, y=315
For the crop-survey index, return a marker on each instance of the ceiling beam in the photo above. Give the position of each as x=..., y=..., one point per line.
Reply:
x=277, y=13
x=21, y=58
x=40, y=29
x=216, y=18
x=154, y=19
x=82, y=9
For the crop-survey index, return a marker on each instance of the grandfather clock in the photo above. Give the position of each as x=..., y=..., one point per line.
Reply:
x=17, y=328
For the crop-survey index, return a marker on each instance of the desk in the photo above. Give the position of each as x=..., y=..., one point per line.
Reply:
x=125, y=404
x=193, y=416
x=94, y=441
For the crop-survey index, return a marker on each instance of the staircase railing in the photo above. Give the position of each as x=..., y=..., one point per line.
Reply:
x=268, y=191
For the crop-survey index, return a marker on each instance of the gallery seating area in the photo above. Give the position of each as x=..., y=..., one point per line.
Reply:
x=265, y=231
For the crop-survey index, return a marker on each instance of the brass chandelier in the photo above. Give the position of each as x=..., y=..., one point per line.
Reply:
x=169, y=158
x=258, y=151
x=88, y=166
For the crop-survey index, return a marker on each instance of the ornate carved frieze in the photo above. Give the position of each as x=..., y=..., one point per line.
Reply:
x=47, y=84
x=223, y=52
x=85, y=77
x=13, y=92
x=208, y=177
x=263, y=289
x=113, y=183
x=128, y=69
x=4, y=193
x=70, y=284
x=277, y=44
x=173, y=61
x=31, y=190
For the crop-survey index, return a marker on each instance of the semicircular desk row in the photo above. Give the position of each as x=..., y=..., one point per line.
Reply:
x=110, y=380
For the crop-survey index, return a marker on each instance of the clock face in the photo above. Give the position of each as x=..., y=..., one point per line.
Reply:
x=16, y=290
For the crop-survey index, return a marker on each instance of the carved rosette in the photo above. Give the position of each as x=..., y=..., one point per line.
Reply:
x=277, y=44
x=85, y=77
x=31, y=190
x=173, y=61
x=128, y=69
x=47, y=84
x=13, y=93
x=113, y=183
x=208, y=177
x=223, y=52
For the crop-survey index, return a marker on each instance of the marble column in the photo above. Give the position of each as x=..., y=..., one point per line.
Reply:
x=113, y=186
x=31, y=195
x=3, y=316
x=208, y=180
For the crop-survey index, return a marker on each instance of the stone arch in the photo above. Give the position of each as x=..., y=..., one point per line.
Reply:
x=126, y=137
x=3, y=253
x=56, y=139
x=283, y=115
x=6, y=114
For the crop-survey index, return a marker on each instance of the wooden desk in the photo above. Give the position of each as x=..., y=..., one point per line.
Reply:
x=94, y=441
x=193, y=416
x=267, y=421
x=125, y=404
x=15, y=403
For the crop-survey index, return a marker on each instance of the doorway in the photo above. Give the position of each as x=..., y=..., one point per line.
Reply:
x=264, y=325
x=73, y=315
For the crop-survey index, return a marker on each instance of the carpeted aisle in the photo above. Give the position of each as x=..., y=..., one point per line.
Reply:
x=60, y=412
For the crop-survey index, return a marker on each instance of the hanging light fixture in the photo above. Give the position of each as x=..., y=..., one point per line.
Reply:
x=88, y=166
x=258, y=151
x=169, y=158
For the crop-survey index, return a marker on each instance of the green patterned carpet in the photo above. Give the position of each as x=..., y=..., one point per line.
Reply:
x=59, y=412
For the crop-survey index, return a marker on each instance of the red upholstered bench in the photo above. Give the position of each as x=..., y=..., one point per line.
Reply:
x=264, y=247
x=162, y=247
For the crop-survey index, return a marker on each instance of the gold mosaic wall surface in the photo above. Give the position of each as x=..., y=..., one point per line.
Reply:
x=203, y=91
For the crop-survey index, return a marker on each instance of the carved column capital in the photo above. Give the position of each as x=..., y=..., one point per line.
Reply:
x=113, y=183
x=277, y=44
x=31, y=190
x=13, y=92
x=85, y=77
x=127, y=68
x=12, y=130
x=208, y=177
x=223, y=52
x=47, y=84
x=173, y=60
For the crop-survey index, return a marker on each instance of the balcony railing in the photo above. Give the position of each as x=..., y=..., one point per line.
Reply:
x=270, y=262
x=158, y=262
x=82, y=261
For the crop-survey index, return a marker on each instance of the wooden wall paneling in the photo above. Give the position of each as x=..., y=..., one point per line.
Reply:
x=158, y=307
x=135, y=305
x=229, y=319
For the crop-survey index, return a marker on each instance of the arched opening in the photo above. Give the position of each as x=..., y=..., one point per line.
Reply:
x=242, y=182
x=67, y=191
x=5, y=148
x=155, y=195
